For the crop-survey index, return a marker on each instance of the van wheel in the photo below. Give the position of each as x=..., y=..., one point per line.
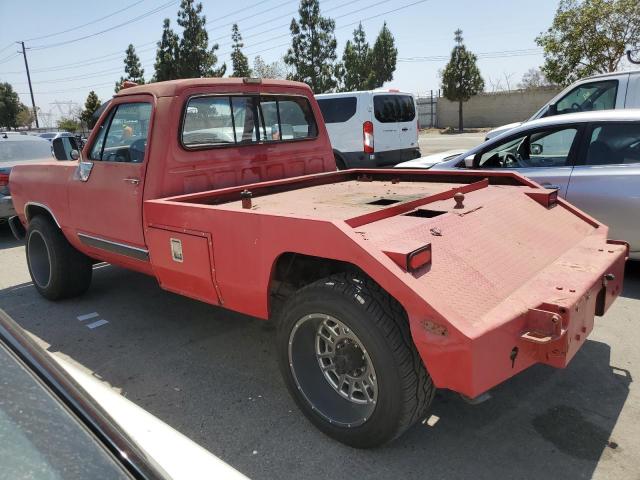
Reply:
x=57, y=269
x=340, y=165
x=346, y=355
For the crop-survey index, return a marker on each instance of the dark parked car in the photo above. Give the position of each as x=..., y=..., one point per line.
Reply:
x=15, y=150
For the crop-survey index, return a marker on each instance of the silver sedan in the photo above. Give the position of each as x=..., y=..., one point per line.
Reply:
x=593, y=159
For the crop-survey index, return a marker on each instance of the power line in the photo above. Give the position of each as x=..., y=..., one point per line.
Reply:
x=337, y=28
x=286, y=25
x=244, y=10
x=481, y=55
x=84, y=37
x=86, y=24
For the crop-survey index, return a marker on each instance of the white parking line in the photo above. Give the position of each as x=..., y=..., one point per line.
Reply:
x=97, y=324
x=87, y=316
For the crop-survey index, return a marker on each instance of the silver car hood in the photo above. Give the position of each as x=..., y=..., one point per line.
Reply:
x=429, y=161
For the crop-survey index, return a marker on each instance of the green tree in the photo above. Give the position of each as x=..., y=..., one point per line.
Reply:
x=195, y=58
x=90, y=106
x=383, y=58
x=9, y=106
x=68, y=124
x=312, y=54
x=461, y=78
x=356, y=60
x=25, y=116
x=589, y=37
x=132, y=68
x=166, y=65
x=238, y=59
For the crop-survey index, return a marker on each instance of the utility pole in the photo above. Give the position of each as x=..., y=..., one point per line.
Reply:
x=33, y=102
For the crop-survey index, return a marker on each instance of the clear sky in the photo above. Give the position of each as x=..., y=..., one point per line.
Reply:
x=65, y=66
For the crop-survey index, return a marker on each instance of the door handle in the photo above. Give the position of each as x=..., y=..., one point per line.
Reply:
x=551, y=187
x=132, y=181
x=405, y=129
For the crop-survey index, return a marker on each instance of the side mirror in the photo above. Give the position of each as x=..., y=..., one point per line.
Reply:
x=65, y=148
x=468, y=162
x=536, y=149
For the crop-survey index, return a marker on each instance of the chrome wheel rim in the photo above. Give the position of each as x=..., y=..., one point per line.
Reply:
x=333, y=370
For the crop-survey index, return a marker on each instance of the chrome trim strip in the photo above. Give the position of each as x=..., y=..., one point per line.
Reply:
x=115, y=247
x=41, y=205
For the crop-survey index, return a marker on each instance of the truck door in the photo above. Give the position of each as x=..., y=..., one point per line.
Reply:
x=105, y=195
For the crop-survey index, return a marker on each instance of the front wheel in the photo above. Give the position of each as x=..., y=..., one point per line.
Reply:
x=57, y=269
x=347, y=357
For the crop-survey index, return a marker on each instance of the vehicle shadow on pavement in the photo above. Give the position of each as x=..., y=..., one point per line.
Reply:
x=212, y=375
x=7, y=240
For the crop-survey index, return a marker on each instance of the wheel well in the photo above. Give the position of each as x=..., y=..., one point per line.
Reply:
x=292, y=271
x=340, y=163
x=32, y=210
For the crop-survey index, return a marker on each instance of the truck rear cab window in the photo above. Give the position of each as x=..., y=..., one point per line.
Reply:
x=123, y=135
x=338, y=110
x=246, y=119
x=394, y=108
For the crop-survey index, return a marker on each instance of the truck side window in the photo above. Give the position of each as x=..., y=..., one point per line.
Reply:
x=123, y=136
x=589, y=97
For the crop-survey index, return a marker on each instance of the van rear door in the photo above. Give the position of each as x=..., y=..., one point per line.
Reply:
x=394, y=120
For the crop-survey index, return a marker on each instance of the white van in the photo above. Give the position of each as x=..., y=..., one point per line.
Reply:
x=372, y=128
x=608, y=91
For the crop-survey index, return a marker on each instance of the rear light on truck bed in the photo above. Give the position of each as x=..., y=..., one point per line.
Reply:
x=367, y=137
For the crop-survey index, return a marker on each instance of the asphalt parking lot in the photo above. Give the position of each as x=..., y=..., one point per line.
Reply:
x=212, y=375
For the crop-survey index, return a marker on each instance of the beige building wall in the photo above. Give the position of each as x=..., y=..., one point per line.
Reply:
x=493, y=109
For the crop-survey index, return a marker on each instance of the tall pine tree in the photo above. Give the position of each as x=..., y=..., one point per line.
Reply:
x=461, y=78
x=90, y=106
x=132, y=68
x=195, y=58
x=312, y=54
x=238, y=59
x=166, y=66
x=356, y=60
x=383, y=58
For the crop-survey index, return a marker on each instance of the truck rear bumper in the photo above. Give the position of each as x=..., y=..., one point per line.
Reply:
x=546, y=321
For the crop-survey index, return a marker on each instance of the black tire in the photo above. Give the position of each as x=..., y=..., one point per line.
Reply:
x=57, y=269
x=404, y=388
x=340, y=164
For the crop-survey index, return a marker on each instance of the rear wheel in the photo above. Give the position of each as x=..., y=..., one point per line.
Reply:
x=340, y=165
x=57, y=269
x=346, y=354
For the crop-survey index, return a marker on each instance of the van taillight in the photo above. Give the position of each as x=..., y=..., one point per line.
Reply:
x=4, y=179
x=367, y=137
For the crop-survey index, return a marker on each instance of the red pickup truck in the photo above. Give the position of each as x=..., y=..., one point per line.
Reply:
x=384, y=284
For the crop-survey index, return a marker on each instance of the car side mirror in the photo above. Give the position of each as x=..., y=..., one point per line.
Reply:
x=468, y=161
x=536, y=149
x=65, y=148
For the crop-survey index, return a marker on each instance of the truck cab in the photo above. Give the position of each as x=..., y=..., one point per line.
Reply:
x=173, y=138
